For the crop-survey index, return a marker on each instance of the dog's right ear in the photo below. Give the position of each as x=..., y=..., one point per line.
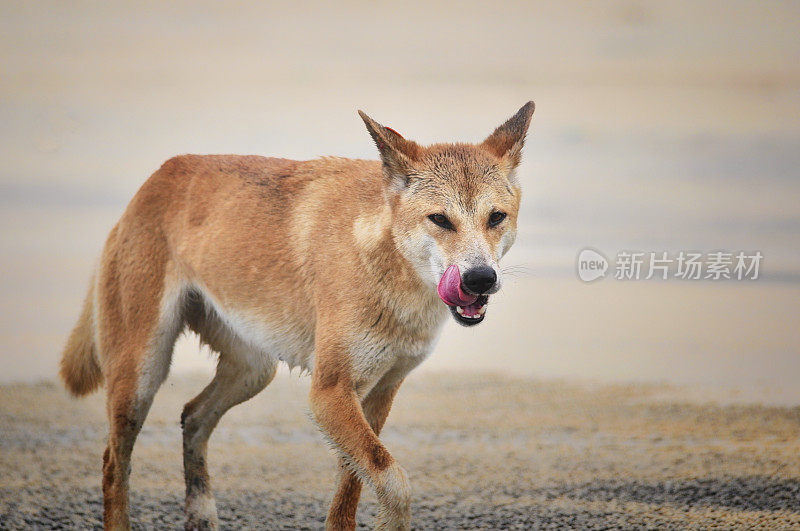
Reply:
x=397, y=153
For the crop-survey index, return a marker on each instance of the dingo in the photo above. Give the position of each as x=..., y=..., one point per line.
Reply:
x=345, y=268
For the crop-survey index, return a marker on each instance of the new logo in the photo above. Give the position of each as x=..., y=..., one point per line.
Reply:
x=591, y=265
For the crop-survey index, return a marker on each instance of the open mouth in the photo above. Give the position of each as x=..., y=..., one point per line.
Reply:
x=467, y=308
x=471, y=314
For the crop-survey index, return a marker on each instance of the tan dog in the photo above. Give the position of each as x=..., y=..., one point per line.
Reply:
x=332, y=265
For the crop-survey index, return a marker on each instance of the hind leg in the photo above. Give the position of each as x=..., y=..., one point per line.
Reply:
x=241, y=374
x=130, y=393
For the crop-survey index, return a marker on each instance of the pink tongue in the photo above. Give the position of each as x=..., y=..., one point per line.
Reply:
x=450, y=289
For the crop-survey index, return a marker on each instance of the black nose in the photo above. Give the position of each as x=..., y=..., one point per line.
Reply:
x=479, y=279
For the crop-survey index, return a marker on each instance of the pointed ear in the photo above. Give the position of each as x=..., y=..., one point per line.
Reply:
x=507, y=140
x=397, y=153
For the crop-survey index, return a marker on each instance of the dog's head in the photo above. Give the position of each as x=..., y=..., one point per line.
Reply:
x=454, y=209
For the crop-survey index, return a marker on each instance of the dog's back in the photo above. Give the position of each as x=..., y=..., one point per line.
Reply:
x=225, y=228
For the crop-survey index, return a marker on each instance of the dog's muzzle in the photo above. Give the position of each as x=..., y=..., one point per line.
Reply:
x=467, y=308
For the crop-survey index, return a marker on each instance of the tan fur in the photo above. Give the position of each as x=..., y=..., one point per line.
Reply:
x=329, y=264
x=79, y=368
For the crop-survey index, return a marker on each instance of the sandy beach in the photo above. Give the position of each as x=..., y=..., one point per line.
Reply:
x=482, y=452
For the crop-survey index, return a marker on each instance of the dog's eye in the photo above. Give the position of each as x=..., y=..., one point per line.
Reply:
x=496, y=218
x=442, y=221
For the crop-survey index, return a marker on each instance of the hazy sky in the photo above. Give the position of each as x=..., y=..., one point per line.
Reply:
x=660, y=126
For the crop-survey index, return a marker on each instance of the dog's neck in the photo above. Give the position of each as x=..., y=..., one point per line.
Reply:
x=400, y=286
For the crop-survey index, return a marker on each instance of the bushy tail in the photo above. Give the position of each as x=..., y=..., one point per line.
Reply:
x=79, y=368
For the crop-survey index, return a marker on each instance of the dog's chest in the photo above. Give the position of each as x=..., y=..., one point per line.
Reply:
x=397, y=340
x=395, y=348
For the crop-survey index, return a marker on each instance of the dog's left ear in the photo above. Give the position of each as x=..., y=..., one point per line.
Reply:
x=397, y=153
x=507, y=140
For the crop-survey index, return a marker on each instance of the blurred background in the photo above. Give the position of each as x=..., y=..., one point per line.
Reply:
x=659, y=127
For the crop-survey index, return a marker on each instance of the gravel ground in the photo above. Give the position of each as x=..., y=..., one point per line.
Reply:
x=482, y=452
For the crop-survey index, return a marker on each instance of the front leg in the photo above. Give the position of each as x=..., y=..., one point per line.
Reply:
x=336, y=408
x=376, y=405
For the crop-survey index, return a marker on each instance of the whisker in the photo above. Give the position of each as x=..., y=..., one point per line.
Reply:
x=518, y=271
